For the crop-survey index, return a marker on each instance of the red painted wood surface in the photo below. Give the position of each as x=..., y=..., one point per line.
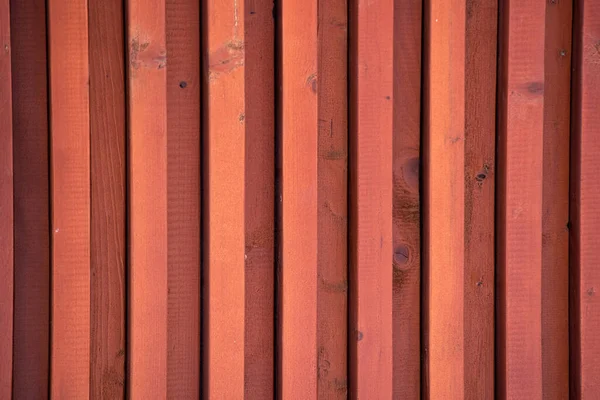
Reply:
x=371, y=141
x=443, y=218
x=585, y=200
x=31, y=200
x=70, y=197
x=320, y=199
x=259, y=124
x=6, y=206
x=520, y=189
x=183, y=198
x=108, y=188
x=480, y=156
x=555, y=202
x=224, y=243
x=147, y=124
x=406, y=240
x=298, y=138
x=332, y=198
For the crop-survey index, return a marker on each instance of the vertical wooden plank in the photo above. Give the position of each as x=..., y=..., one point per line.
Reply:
x=444, y=207
x=70, y=180
x=480, y=159
x=240, y=196
x=299, y=188
x=225, y=43
x=585, y=205
x=183, y=201
x=148, y=274
x=332, y=186
x=107, y=149
x=6, y=206
x=555, y=206
x=259, y=122
x=31, y=191
x=520, y=168
x=406, y=216
x=371, y=179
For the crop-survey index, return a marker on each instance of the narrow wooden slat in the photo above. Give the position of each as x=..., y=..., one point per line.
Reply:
x=239, y=196
x=147, y=120
x=6, y=206
x=31, y=218
x=183, y=186
x=444, y=210
x=259, y=120
x=406, y=239
x=585, y=204
x=371, y=179
x=70, y=180
x=519, y=199
x=224, y=227
x=555, y=206
x=299, y=155
x=332, y=186
x=480, y=156
x=107, y=151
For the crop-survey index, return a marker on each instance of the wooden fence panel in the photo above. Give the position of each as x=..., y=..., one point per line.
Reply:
x=520, y=168
x=371, y=159
x=298, y=141
x=148, y=275
x=259, y=212
x=406, y=231
x=585, y=203
x=6, y=206
x=108, y=187
x=224, y=274
x=239, y=195
x=70, y=198
x=555, y=211
x=444, y=207
x=299, y=199
x=31, y=200
x=184, y=83
x=332, y=188
x=480, y=165
x=239, y=359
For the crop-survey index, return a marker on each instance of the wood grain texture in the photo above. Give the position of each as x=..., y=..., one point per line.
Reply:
x=224, y=240
x=371, y=179
x=444, y=196
x=70, y=180
x=406, y=216
x=183, y=187
x=259, y=123
x=585, y=204
x=299, y=210
x=480, y=157
x=555, y=206
x=108, y=186
x=69, y=115
x=519, y=218
x=147, y=119
x=332, y=186
x=6, y=206
x=31, y=200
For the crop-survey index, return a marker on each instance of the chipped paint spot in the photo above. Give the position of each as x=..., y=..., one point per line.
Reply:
x=144, y=55
x=311, y=82
x=226, y=59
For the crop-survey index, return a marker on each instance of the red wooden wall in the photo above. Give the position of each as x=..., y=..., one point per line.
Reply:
x=299, y=199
